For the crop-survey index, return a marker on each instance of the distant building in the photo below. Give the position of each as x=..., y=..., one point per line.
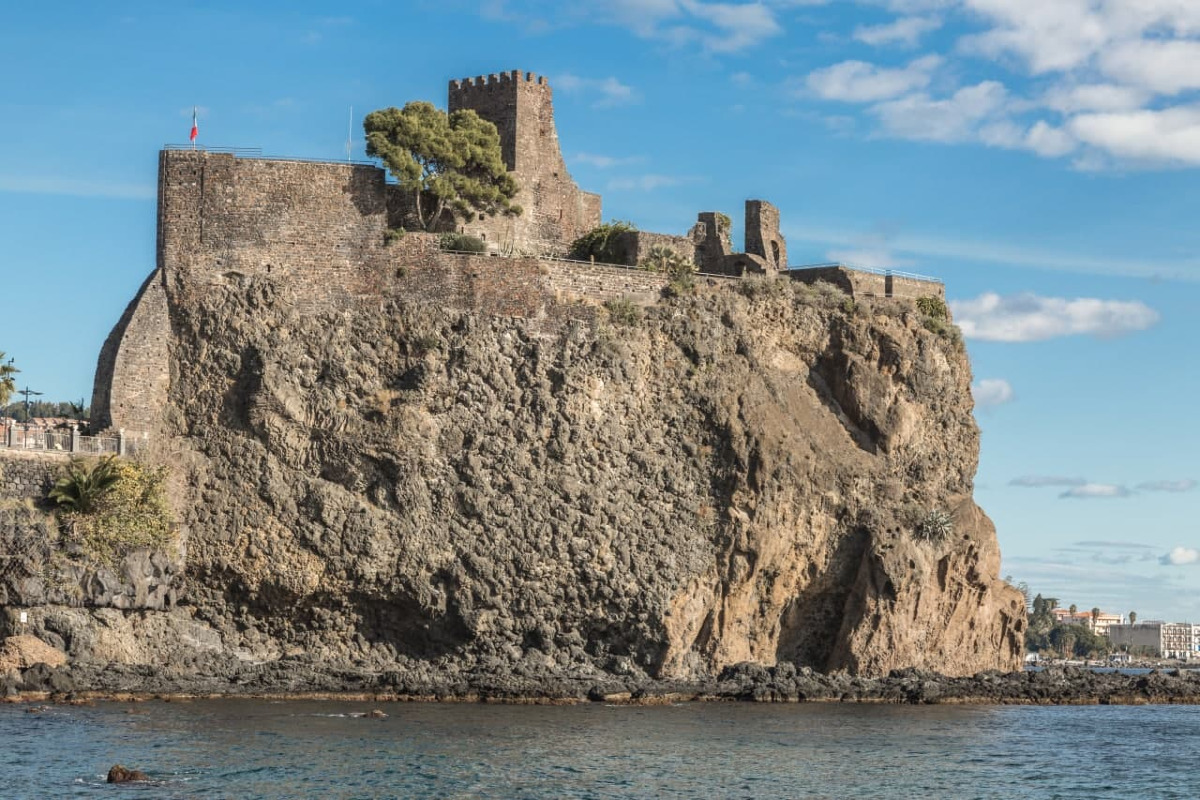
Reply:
x=1165, y=639
x=1100, y=625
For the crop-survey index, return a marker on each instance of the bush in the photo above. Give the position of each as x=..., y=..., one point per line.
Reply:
x=393, y=235
x=601, y=242
x=462, y=243
x=131, y=513
x=85, y=483
x=664, y=259
x=623, y=311
x=933, y=307
x=937, y=527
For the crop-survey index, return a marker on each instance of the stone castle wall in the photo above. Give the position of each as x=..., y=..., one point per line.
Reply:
x=28, y=475
x=861, y=284
x=556, y=211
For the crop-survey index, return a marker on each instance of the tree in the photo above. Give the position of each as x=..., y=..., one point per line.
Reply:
x=451, y=163
x=601, y=242
x=1073, y=609
x=1132, y=617
x=7, y=384
x=1095, y=616
x=84, y=483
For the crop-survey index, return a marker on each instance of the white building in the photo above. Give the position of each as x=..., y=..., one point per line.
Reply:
x=1165, y=639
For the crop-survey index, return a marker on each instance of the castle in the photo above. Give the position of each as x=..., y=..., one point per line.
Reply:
x=317, y=232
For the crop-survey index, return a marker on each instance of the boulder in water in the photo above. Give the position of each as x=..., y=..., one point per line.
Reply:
x=119, y=774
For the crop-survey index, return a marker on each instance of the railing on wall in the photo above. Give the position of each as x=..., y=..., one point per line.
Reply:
x=887, y=273
x=564, y=260
x=34, y=438
x=256, y=154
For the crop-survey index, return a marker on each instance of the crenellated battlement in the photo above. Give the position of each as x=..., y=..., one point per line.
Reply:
x=496, y=79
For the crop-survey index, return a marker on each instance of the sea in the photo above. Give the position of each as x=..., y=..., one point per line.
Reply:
x=309, y=749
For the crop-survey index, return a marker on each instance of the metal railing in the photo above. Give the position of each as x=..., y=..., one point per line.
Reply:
x=564, y=260
x=256, y=154
x=34, y=438
x=888, y=273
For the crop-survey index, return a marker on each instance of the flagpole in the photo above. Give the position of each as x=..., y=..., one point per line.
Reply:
x=349, y=134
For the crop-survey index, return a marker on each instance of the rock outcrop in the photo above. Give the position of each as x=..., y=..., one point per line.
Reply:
x=742, y=474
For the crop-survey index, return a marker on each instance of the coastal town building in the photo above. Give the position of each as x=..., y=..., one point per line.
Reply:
x=1164, y=639
x=1098, y=624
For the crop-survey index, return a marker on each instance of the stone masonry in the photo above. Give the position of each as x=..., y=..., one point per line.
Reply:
x=29, y=475
x=556, y=212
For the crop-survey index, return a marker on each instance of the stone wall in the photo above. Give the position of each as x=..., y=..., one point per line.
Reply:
x=598, y=282
x=556, y=212
x=633, y=247
x=132, y=373
x=860, y=284
x=29, y=475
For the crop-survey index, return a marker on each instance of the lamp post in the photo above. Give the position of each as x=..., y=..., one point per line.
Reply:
x=27, y=392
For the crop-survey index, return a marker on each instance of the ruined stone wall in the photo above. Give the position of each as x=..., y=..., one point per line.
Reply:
x=911, y=288
x=28, y=475
x=556, y=212
x=133, y=371
x=763, y=238
x=633, y=247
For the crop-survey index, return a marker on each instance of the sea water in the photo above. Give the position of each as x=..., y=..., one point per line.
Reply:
x=294, y=749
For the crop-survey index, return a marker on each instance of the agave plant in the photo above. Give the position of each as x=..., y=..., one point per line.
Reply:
x=937, y=526
x=85, y=483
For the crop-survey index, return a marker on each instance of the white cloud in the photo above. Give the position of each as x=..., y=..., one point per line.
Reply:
x=1185, y=485
x=1039, y=481
x=1031, y=318
x=604, y=162
x=1168, y=136
x=717, y=27
x=860, y=82
x=1164, y=67
x=992, y=392
x=1092, y=491
x=1181, y=556
x=954, y=119
x=1072, y=98
x=1048, y=141
x=609, y=91
x=905, y=31
x=644, y=183
x=878, y=256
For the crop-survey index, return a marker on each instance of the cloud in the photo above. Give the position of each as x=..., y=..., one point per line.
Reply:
x=1169, y=136
x=1120, y=545
x=906, y=31
x=1180, y=556
x=1092, y=491
x=992, y=392
x=1072, y=98
x=604, y=162
x=860, y=82
x=1038, y=481
x=1185, y=485
x=716, y=27
x=610, y=91
x=645, y=183
x=1032, y=318
x=957, y=118
x=75, y=187
x=1163, y=67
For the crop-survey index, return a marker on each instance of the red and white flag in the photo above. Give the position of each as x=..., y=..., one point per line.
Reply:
x=195, y=127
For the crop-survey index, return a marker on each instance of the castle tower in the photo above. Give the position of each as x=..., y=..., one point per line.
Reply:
x=763, y=238
x=521, y=106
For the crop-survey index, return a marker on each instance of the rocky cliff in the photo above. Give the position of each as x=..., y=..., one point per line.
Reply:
x=758, y=471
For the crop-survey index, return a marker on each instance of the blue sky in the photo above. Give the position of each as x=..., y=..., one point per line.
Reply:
x=1040, y=157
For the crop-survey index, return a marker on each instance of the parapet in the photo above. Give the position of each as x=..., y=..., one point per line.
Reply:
x=494, y=80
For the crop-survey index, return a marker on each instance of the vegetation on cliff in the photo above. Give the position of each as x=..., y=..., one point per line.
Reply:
x=601, y=242
x=7, y=383
x=450, y=163
x=111, y=506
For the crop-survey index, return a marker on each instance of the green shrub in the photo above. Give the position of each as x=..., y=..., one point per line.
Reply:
x=85, y=483
x=936, y=527
x=665, y=259
x=130, y=513
x=393, y=235
x=462, y=243
x=680, y=285
x=623, y=311
x=933, y=307
x=601, y=242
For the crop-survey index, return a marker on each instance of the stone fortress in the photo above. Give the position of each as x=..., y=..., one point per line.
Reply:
x=317, y=232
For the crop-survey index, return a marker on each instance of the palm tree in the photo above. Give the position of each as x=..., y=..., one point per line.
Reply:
x=661, y=258
x=85, y=483
x=7, y=384
x=1132, y=617
x=1095, y=617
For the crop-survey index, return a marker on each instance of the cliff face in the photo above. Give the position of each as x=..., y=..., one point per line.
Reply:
x=738, y=475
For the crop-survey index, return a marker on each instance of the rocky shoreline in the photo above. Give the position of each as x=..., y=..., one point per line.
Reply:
x=82, y=683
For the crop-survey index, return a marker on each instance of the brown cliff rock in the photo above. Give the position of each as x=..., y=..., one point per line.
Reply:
x=739, y=476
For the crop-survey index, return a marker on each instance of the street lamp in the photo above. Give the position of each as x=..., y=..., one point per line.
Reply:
x=28, y=393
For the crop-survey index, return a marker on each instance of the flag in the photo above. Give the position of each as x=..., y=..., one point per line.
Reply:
x=195, y=127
